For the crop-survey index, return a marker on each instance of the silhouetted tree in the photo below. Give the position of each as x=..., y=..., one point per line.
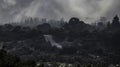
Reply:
x=8, y=27
x=73, y=21
x=108, y=24
x=115, y=21
x=26, y=29
x=44, y=28
x=100, y=25
x=16, y=29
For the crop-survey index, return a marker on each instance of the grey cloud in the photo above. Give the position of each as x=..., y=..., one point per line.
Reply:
x=88, y=10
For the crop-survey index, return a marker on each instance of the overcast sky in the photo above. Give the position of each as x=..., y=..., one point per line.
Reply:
x=88, y=10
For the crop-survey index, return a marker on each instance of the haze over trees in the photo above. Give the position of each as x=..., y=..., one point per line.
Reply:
x=81, y=42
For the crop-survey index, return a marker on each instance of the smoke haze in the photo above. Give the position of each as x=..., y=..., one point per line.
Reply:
x=87, y=10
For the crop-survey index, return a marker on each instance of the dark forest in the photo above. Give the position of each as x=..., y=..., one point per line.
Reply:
x=72, y=42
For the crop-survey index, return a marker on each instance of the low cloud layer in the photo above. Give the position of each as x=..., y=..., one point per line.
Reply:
x=88, y=10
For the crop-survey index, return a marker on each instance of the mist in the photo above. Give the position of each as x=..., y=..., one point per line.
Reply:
x=87, y=10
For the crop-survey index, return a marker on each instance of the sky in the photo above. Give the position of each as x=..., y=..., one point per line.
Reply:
x=87, y=10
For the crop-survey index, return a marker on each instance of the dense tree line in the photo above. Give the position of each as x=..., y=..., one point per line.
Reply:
x=8, y=60
x=77, y=38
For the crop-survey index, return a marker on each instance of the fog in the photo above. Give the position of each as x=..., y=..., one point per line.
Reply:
x=87, y=10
